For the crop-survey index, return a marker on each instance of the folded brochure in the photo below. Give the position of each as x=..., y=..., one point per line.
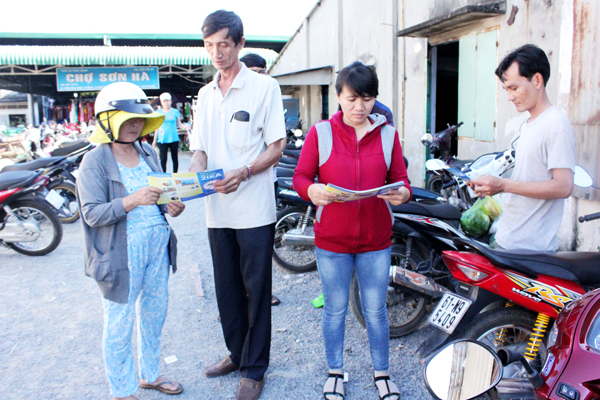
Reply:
x=458, y=173
x=351, y=195
x=184, y=186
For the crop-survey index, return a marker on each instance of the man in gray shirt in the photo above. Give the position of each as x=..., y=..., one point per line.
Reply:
x=545, y=158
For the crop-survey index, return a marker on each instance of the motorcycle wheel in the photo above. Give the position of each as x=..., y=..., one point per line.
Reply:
x=405, y=310
x=50, y=227
x=518, y=324
x=67, y=191
x=293, y=258
x=435, y=184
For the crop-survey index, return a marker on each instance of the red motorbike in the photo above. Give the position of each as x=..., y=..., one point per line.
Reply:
x=467, y=369
x=508, y=299
x=535, y=288
x=29, y=221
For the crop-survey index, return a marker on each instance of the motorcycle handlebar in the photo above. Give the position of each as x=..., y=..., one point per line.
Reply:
x=589, y=217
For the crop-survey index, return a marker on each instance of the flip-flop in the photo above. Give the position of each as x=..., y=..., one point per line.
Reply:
x=162, y=389
x=275, y=301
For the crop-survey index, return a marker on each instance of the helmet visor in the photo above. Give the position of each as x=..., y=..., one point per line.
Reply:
x=152, y=122
x=133, y=106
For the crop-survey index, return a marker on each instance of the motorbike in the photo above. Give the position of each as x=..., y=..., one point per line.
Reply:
x=466, y=369
x=29, y=223
x=440, y=147
x=62, y=171
x=15, y=148
x=509, y=298
x=454, y=180
x=294, y=236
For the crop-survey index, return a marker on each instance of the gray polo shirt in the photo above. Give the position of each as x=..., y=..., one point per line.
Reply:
x=545, y=144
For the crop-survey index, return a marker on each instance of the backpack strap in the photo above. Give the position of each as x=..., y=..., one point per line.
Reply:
x=388, y=134
x=325, y=137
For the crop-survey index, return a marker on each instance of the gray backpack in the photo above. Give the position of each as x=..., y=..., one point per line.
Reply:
x=325, y=136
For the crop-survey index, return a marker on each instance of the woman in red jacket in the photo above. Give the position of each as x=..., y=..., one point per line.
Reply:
x=357, y=234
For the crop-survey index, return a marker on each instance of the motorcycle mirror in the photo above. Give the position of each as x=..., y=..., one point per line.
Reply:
x=462, y=370
x=582, y=178
x=435, y=164
x=512, y=144
x=427, y=139
x=298, y=132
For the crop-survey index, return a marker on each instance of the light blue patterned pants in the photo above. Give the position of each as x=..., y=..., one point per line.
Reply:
x=148, y=263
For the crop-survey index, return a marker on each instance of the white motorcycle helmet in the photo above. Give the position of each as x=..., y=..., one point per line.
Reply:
x=117, y=103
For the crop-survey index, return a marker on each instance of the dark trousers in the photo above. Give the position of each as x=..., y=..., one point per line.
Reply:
x=164, y=147
x=242, y=267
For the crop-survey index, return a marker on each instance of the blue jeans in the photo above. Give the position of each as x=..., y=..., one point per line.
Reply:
x=372, y=271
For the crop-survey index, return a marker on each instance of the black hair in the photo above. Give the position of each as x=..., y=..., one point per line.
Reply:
x=359, y=79
x=222, y=19
x=254, y=60
x=531, y=60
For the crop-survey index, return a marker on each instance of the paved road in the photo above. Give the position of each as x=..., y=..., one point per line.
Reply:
x=51, y=329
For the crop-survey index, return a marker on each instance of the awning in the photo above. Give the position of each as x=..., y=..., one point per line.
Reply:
x=455, y=19
x=112, y=55
x=312, y=76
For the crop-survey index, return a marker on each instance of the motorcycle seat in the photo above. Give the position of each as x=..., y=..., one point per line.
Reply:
x=579, y=267
x=67, y=148
x=33, y=165
x=292, y=153
x=285, y=172
x=15, y=179
x=440, y=211
x=288, y=160
x=456, y=163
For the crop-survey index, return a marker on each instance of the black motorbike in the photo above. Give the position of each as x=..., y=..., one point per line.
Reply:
x=62, y=170
x=440, y=147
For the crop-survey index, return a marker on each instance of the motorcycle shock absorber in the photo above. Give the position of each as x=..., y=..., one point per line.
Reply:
x=404, y=262
x=306, y=218
x=539, y=331
x=501, y=334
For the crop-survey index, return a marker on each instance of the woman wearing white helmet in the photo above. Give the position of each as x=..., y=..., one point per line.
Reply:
x=128, y=242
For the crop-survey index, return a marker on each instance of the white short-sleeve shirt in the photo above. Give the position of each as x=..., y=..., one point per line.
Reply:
x=229, y=141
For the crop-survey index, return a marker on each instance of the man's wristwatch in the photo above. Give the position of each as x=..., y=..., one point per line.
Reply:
x=249, y=171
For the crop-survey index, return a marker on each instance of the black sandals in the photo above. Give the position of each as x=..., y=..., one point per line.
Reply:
x=335, y=386
x=389, y=394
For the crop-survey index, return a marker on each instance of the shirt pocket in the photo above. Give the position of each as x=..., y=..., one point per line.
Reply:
x=240, y=134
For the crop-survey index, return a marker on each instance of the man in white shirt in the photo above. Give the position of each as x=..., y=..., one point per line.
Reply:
x=545, y=158
x=239, y=128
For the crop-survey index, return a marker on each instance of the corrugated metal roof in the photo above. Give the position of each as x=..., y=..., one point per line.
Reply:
x=112, y=55
x=139, y=36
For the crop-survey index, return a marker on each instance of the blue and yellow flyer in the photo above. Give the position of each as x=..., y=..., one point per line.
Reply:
x=184, y=186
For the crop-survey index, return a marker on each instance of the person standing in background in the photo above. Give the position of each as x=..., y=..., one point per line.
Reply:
x=166, y=136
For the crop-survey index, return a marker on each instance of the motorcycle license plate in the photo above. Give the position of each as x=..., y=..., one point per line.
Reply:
x=54, y=198
x=449, y=312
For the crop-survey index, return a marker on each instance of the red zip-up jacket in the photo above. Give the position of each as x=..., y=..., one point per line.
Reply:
x=356, y=226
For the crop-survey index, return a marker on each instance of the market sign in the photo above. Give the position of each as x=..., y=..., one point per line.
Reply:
x=93, y=79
